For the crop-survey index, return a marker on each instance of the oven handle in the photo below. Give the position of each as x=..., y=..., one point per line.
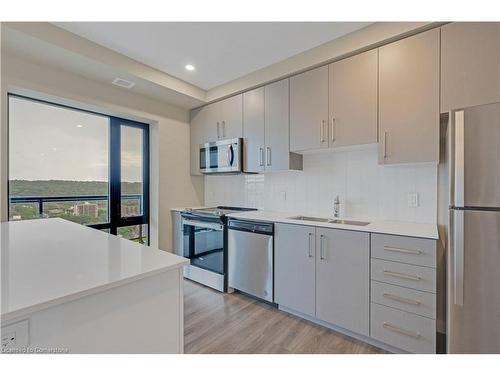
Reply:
x=201, y=224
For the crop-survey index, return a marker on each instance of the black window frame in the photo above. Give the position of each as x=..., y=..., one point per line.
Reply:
x=115, y=220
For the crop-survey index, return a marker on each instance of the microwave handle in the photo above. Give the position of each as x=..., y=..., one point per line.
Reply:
x=230, y=155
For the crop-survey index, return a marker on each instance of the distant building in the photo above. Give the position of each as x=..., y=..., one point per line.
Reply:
x=85, y=209
x=128, y=210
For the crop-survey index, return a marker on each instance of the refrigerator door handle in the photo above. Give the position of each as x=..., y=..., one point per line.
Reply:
x=458, y=257
x=459, y=160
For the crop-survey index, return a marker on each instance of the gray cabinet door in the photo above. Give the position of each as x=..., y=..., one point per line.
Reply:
x=277, y=116
x=253, y=130
x=353, y=100
x=200, y=128
x=470, y=64
x=230, y=114
x=409, y=100
x=309, y=110
x=343, y=279
x=294, y=269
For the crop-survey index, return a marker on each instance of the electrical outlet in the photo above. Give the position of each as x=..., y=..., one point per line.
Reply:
x=15, y=335
x=413, y=200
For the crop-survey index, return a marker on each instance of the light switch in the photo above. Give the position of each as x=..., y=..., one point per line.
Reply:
x=412, y=200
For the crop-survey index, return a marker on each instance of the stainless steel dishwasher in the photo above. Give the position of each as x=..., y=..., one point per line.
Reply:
x=251, y=258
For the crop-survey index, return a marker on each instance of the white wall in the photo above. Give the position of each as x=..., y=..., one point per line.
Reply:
x=171, y=183
x=367, y=190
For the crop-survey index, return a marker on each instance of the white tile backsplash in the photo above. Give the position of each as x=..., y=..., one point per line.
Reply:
x=366, y=190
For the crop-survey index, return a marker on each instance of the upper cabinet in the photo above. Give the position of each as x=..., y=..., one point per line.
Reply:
x=230, y=117
x=353, y=100
x=309, y=110
x=253, y=131
x=470, y=64
x=213, y=122
x=409, y=100
x=266, y=129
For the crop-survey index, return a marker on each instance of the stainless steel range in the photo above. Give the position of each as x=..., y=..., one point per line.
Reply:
x=205, y=244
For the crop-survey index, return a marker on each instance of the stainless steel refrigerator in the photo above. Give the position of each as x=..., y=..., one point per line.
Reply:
x=473, y=269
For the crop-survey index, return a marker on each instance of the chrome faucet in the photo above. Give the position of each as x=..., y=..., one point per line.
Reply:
x=336, y=206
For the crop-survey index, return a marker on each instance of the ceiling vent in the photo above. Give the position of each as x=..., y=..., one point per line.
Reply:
x=123, y=83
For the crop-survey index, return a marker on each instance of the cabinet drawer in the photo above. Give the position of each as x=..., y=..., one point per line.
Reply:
x=410, y=300
x=410, y=332
x=411, y=250
x=406, y=275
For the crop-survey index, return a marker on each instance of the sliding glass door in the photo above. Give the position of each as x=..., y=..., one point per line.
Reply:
x=81, y=166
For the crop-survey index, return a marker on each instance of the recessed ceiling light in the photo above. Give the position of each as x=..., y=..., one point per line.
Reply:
x=189, y=67
x=123, y=83
x=79, y=126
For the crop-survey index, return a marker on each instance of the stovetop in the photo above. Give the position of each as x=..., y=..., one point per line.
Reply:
x=219, y=210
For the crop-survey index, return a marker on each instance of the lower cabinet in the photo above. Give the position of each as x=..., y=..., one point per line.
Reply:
x=324, y=273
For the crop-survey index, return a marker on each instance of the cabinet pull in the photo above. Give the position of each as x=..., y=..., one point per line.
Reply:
x=310, y=254
x=321, y=248
x=268, y=156
x=261, y=156
x=401, y=250
x=223, y=129
x=218, y=130
x=402, y=331
x=322, y=131
x=402, y=275
x=385, y=144
x=332, y=129
x=401, y=299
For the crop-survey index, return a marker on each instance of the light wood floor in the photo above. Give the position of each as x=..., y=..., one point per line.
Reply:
x=236, y=323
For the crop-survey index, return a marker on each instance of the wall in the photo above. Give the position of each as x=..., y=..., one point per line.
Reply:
x=366, y=189
x=171, y=184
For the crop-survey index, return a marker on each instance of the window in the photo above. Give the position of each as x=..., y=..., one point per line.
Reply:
x=81, y=166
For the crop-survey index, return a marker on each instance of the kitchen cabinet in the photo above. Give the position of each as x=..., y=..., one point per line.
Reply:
x=266, y=129
x=470, y=64
x=409, y=100
x=253, y=130
x=309, y=110
x=343, y=279
x=216, y=121
x=353, y=85
x=295, y=269
x=229, y=114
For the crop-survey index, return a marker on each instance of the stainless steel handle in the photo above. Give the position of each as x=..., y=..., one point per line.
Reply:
x=332, y=129
x=401, y=299
x=402, y=275
x=321, y=248
x=458, y=257
x=402, y=331
x=228, y=155
x=218, y=130
x=202, y=224
x=459, y=161
x=261, y=156
x=268, y=156
x=400, y=250
x=310, y=254
x=322, y=131
x=223, y=129
x=385, y=144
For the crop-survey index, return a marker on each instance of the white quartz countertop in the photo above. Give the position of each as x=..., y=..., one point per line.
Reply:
x=400, y=228
x=47, y=262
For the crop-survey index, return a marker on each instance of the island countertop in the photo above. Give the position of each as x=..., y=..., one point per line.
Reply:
x=47, y=262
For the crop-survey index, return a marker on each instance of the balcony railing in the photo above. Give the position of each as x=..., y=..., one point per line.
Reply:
x=71, y=198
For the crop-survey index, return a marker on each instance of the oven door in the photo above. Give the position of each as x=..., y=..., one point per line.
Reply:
x=221, y=156
x=203, y=244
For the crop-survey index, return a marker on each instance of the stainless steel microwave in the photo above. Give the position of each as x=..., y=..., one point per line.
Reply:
x=223, y=156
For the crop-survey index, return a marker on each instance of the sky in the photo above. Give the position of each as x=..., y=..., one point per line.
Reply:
x=48, y=142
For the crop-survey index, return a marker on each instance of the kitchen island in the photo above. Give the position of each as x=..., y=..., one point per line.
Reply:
x=72, y=289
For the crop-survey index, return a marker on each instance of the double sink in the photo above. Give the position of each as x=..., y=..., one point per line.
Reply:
x=329, y=221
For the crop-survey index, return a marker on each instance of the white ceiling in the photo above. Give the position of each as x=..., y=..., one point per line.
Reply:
x=221, y=52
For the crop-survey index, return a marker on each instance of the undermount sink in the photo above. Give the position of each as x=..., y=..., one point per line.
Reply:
x=331, y=221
